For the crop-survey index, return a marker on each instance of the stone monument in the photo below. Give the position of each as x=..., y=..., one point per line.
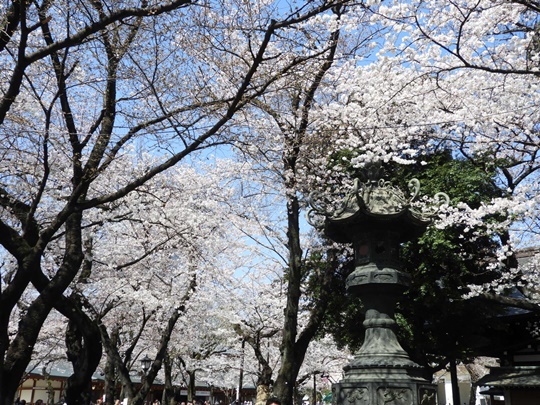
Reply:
x=376, y=218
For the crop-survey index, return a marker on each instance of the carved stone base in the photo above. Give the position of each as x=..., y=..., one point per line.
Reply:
x=384, y=393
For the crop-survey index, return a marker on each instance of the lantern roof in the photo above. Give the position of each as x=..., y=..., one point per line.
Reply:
x=377, y=205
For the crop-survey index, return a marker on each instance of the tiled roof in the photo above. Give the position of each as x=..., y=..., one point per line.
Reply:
x=57, y=370
x=512, y=377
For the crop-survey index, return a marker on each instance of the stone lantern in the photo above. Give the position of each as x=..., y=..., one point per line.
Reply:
x=377, y=218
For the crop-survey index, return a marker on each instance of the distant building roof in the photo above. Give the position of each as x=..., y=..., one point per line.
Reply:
x=512, y=377
x=60, y=369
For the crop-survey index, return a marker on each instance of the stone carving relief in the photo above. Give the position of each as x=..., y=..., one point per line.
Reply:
x=427, y=396
x=358, y=396
x=394, y=396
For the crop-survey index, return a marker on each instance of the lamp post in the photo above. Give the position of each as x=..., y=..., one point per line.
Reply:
x=377, y=218
x=145, y=365
x=315, y=388
x=241, y=375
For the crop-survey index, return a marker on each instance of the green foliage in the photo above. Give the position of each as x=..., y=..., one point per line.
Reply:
x=435, y=322
x=344, y=318
x=344, y=311
x=463, y=180
x=442, y=263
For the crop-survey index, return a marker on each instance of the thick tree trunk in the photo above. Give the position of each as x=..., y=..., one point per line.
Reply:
x=284, y=386
x=191, y=386
x=8, y=391
x=110, y=382
x=168, y=392
x=264, y=382
x=17, y=355
x=293, y=351
x=79, y=384
x=263, y=393
x=455, y=383
x=84, y=350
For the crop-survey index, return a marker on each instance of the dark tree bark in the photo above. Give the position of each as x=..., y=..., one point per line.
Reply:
x=254, y=336
x=168, y=391
x=91, y=150
x=83, y=344
x=455, y=382
x=110, y=382
x=293, y=348
x=79, y=386
x=191, y=385
x=19, y=349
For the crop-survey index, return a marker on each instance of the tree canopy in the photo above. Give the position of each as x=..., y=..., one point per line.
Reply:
x=156, y=159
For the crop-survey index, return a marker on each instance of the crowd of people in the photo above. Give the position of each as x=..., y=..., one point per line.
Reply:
x=19, y=401
x=155, y=402
x=271, y=401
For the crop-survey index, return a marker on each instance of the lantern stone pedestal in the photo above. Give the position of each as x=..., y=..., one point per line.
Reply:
x=376, y=218
x=381, y=372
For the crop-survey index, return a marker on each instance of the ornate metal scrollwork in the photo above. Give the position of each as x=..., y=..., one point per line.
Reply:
x=377, y=196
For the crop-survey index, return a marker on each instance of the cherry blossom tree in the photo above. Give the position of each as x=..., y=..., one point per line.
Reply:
x=446, y=78
x=85, y=83
x=101, y=99
x=283, y=161
x=145, y=260
x=261, y=295
x=171, y=247
x=323, y=364
x=442, y=77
